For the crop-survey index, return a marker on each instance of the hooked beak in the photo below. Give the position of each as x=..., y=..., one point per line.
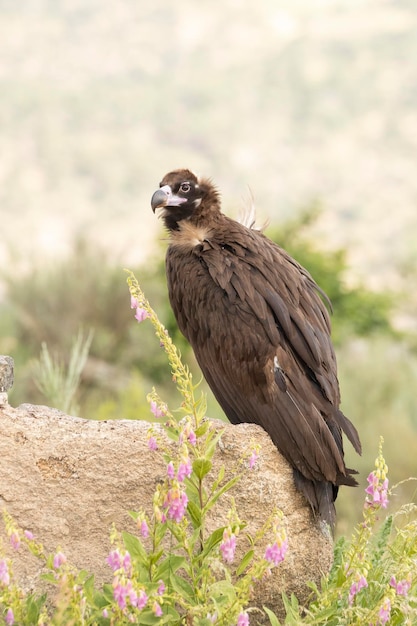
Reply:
x=164, y=197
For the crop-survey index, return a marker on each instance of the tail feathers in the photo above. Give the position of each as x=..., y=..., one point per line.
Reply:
x=348, y=479
x=320, y=496
x=349, y=430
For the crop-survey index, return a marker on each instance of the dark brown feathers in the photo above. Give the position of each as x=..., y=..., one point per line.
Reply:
x=260, y=332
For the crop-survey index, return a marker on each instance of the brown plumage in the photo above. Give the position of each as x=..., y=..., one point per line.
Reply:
x=260, y=332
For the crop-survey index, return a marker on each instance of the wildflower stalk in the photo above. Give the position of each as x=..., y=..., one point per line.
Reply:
x=355, y=558
x=180, y=372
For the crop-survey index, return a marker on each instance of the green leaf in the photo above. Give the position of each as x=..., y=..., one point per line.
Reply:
x=170, y=616
x=154, y=558
x=202, y=429
x=211, y=443
x=182, y=587
x=134, y=547
x=223, y=592
x=176, y=530
x=134, y=515
x=291, y=605
x=382, y=540
x=313, y=586
x=209, y=504
x=172, y=432
x=338, y=566
x=160, y=531
x=100, y=600
x=272, y=617
x=201, y=467
x=50, y=578
x=88, y=588
x=169, y=565
x=34, y=605
x=108, y=593
x=194, y=512
x=213, y=541
x=245, y=562
x=148, y=618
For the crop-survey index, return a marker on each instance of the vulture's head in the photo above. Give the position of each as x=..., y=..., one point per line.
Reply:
x=182, y=196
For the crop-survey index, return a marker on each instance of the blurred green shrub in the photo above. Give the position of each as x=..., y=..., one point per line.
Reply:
x=58, y=383
x=50, y=302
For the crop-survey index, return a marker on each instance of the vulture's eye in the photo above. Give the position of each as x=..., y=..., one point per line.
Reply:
x=185, y=187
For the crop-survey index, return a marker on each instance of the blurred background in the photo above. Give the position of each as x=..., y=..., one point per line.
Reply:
x=309, y=104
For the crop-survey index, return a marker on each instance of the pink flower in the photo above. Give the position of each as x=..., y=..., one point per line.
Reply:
x=114, y=560
x=120, y=593
x=4, y=573
x=59, y=559
x=192, y=437
x=142, y=599
x=161, y=588
x=28, y=535
x=15, y=540
x=144, y=529
x=228, y=546
x=385, y=611
x=141, y=314
x=170, y=470
x=152, y=444
x=131, y=593
x=276, y=553
x=127, y=563
x=377, y=491
x=105, y=613
x=356, y=587
x=9, y=617
x=243, y=619
x=402, y=587
x=157, y=609
x=253, y=459
x=185, y=469
x=176, y=502
x=134, y=302
x=158, y=411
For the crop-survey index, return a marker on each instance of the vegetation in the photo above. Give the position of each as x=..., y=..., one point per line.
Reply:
x=373, y=579
x=373, y=573
x=57, y=383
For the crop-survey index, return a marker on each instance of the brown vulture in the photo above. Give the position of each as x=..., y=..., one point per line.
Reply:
x=260, y=332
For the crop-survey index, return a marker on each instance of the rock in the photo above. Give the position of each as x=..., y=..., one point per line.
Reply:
x=6, y=373
x=68, y=479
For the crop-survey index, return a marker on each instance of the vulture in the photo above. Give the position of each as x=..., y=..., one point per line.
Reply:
x=260, y=330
